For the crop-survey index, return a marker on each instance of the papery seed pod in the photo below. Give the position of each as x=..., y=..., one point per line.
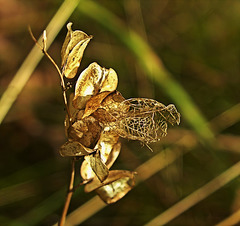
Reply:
x=93, y=80
x=143, y=119
x=110, y=104
x=117, y=185
x=94, y=103
x=86, y=131
x=108, y=148
x=86, y=171
x=116, y=190
x=97, y=165
x=72, y=51
x=110, y=81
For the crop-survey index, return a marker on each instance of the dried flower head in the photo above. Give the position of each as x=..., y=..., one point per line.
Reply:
x=97, y=115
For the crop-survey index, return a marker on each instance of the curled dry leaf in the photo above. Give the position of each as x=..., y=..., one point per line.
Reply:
x=74, y=148
x=97, y=165
x=72, y=51
x=93, y=80
x=117, y=185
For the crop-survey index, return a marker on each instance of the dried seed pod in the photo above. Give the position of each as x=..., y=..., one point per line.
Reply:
x=108, y=148
x=97, y=165
x=86, y=171
x=143, y=119
x=116, y=190
x=94, y=103
x=117, y=185
x=113, y=155
x=93, y=80
x=72, y=51
x=110, y=81
x=86, y=131
x=110, y=104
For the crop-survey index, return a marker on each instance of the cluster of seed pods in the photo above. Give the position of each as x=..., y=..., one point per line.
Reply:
x=98, y=115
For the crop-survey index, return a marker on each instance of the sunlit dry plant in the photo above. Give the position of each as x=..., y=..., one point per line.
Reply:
x=97, y=115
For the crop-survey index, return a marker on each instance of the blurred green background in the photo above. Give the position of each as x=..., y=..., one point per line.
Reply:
x=198, y=44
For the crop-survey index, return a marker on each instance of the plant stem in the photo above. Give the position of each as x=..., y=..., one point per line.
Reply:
x=69, y=195
x=44, y=50
x=62, y=84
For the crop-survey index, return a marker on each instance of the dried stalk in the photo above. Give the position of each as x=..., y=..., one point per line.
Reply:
x=44, y=50
x=69, y=195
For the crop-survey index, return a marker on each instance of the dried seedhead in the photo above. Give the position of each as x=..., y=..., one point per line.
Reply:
x=97, y=115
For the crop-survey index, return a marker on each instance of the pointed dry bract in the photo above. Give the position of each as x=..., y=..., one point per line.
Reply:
x=72, y=51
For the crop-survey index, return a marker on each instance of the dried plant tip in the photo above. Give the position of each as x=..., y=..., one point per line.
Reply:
x=44, y=40
x=33, y=38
